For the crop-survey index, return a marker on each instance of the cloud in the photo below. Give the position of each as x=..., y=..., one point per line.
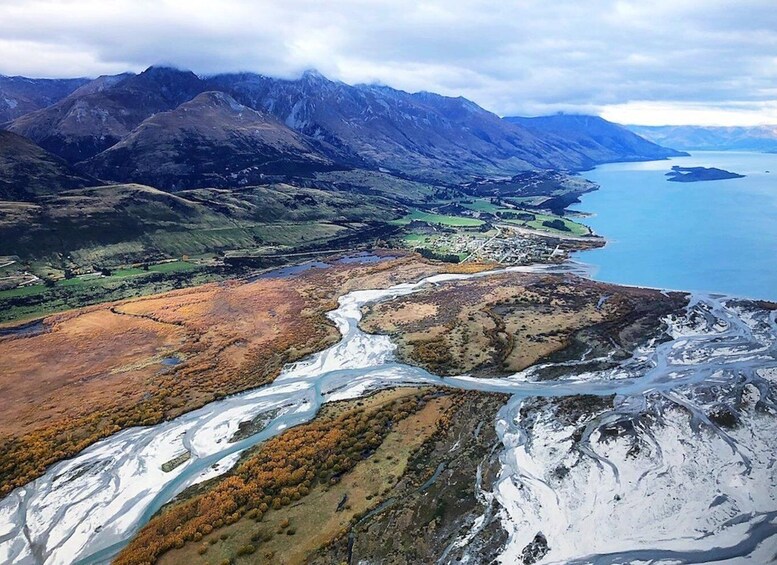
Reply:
x=513, y=57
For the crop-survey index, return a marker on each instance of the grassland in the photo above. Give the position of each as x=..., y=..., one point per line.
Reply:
x=435, y=242
x=34, y=301
x=573, y=228
x=116, y=228
x=118, y=225
x=446, y=220
x=381, y=184
x=486, y=205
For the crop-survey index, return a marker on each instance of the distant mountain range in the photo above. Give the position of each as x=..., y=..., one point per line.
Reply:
x=175, y=130
x=21, y=95
x=604, y=141
x=422, y=135
x=97, y=117
x=704, y=138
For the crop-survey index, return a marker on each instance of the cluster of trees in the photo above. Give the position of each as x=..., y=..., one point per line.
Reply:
x=436, y=256
x=282, y=470
x=508, y=215
x=556, y=225
x=433, y=354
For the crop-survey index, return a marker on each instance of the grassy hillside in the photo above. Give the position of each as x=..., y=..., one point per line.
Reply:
x=120, y=224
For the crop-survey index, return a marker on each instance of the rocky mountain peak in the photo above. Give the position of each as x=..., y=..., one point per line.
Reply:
x=172, y=84
x=314, y=76
x=216, y=98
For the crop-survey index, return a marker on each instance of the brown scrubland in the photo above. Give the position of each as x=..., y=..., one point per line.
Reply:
x=505, y=323
x=93, y=371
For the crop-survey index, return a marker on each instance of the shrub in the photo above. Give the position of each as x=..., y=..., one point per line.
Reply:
x=247, y=549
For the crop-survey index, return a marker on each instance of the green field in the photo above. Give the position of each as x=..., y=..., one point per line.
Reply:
x=22, y=291
x=416, y=239
x=453, y=221
x=39, y=300
x=116, y=225
x=484, y=205
x=574, y=227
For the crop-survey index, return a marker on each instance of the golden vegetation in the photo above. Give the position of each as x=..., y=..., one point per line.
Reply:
x=329, y=510
x=230, y=337
x=434, y=353
x=99, y=369
x=281, y=471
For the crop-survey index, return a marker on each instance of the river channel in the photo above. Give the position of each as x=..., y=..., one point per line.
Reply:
x=86, y=509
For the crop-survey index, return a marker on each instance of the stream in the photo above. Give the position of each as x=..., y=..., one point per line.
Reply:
x=694, y=492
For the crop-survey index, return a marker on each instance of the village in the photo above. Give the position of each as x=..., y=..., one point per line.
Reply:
x=502, y=243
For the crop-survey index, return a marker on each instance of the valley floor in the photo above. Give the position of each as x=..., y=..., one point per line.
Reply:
x=552, y=385
x=152, y=358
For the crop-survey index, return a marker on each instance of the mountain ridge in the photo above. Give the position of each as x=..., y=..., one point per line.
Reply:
x=210, y=140
x=713, y=138
x=28, y=172
x=422, y=135
x=607, y=141
x=21, y=95
x=78, y=127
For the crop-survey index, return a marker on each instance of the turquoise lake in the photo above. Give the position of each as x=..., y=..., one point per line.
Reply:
x=717, y=236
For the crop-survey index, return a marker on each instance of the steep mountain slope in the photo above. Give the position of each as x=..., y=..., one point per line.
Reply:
x=602, y=141
x=22, y=95
x=423, y=134
x=103, y=82
x=210, y=141
x=756, y=138
x=27, y=171
x=84, y=124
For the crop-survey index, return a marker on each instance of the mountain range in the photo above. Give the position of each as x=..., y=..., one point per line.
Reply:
x=95, y=118
x=175, y=130
x=709, y=138
x=211, y=140
x=22, y=95
x=137, y=168
x=603, y=140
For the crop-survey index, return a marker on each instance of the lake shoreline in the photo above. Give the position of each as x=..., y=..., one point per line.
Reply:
x=713, y=237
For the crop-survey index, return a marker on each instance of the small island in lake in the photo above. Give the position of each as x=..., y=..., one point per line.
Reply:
x=697, y=174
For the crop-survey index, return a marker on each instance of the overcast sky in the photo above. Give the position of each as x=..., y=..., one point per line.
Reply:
x=648, y=61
